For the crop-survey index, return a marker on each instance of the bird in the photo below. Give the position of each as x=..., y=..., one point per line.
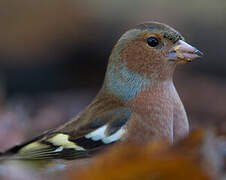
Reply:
x=137, y=102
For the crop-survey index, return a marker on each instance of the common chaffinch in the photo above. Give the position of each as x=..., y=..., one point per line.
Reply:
x=138, y=101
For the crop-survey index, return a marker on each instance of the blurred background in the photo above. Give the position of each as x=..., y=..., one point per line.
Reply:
x=53, y=56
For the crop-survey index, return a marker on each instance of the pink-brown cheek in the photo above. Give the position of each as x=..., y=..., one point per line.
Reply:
x=139, y=58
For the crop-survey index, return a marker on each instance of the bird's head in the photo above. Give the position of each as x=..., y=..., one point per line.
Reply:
x=146, y=56
x=153, y=49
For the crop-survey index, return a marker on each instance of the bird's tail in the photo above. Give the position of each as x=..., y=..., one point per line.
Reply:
x=7, y=155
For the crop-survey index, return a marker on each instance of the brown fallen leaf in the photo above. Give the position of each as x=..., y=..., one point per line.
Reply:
x=156, y=161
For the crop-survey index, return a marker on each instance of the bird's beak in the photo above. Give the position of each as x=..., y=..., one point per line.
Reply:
x=182, y=52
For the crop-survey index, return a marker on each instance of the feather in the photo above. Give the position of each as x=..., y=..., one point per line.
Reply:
x=105, y=129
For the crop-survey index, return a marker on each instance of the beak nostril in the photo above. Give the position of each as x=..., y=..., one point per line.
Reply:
x=199, y=53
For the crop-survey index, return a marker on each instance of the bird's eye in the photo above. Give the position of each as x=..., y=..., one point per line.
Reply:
x=152, y=41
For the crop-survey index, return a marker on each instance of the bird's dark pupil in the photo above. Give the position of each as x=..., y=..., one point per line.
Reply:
x=152, y=41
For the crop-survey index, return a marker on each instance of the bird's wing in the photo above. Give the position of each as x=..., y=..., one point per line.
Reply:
x=96, y=134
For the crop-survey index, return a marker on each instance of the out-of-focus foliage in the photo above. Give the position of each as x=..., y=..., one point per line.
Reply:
x=197, y=157
x=200, y=156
